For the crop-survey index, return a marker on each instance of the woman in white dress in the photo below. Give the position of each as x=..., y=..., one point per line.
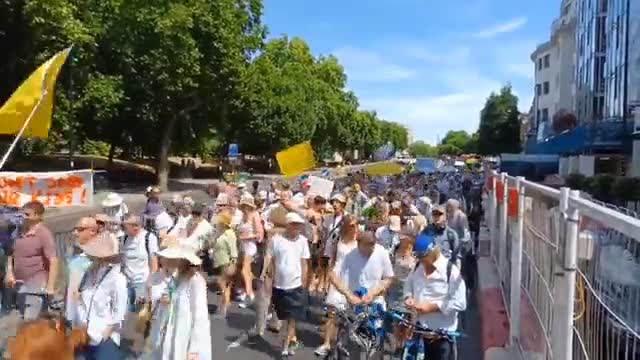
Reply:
x=346, y=243
x=183, y=331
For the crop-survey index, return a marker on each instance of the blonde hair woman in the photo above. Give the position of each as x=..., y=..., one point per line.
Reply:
x=250, y=232
x=224, y=253
x=183, y=332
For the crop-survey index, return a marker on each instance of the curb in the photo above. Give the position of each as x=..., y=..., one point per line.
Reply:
x=494, y=319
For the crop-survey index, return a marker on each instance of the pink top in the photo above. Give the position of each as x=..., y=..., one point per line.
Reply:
x=31, y=254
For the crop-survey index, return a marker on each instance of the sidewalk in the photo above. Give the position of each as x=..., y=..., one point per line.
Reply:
x=494, y=314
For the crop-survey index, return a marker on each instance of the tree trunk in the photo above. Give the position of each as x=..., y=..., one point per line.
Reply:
x=162, y=160
x=112, y=154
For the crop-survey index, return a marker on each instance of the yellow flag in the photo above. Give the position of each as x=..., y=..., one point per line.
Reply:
x=296, y=159
x=386, y=168
x=16, y=111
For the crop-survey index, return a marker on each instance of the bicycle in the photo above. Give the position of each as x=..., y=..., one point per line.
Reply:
x=416, y=347
x=347, y=326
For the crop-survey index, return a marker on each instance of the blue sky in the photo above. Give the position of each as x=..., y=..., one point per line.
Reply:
x=426, y=64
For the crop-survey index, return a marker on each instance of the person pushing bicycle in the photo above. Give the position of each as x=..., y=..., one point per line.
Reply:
x=437, y=293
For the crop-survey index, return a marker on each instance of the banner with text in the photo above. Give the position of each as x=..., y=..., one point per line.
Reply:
x=53, y=189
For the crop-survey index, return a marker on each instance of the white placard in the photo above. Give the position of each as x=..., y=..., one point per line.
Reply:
x=320, y=187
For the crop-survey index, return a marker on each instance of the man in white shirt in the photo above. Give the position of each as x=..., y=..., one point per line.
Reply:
x=289, y=260
x=139, y=248
x=366, y=267
x=437, y=293
x=389, y=235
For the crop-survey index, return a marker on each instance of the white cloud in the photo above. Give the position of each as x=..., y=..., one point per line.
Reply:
x=444, y=55
x=364, y=65
x=495, y=30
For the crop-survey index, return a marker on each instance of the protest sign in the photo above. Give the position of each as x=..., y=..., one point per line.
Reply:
x=426, y=165
x=320, y=187
x=53, y=189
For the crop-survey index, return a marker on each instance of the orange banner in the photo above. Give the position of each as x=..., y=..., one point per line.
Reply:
x=53, y=189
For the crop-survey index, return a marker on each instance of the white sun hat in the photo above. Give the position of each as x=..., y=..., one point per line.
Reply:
x=112, y=199
x=181, y=252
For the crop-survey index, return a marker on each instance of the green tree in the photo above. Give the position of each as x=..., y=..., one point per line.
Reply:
x=422, y=149
x=499, y=130
x=448, y=149
x=457, y=138
x=395, y=133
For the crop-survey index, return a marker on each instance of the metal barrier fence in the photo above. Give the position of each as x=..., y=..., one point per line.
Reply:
x=570, y=271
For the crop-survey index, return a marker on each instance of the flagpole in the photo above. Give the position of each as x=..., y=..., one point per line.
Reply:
x=43, y=94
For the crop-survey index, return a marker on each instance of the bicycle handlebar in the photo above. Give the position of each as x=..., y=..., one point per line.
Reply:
x=423, y=330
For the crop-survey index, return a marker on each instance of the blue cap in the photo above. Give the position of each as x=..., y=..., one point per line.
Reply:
x=424, y=244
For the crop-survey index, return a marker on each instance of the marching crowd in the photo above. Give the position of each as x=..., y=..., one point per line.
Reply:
x=405, y=239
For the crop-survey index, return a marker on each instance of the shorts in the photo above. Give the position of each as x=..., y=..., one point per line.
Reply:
x=289, y=304
x=249, y=248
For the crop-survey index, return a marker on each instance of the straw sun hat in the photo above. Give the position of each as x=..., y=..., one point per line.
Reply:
x=181, y=252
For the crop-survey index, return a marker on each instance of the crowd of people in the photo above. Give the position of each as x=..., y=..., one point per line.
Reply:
x=406, y=240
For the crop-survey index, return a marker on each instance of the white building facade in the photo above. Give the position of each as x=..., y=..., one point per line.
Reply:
x=554, y=63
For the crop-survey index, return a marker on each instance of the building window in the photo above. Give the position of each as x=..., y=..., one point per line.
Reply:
x=540, y=64
x=545, y=115
x=546, y=61
x=546, y=87
x=538, y=90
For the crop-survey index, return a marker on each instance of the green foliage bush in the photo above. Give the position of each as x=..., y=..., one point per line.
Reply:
x=607, y=188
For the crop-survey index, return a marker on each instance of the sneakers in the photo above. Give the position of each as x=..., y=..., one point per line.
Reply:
x=322, y=350
x=291, y=349
x=246, y=302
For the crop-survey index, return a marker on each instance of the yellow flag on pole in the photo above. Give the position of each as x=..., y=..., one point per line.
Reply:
x=33, y=98
x=296, y=159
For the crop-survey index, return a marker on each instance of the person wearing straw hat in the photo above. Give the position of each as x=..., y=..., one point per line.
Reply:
x=102, y=299
x=184, y=331
x=251, y=232
x=113, y=205
x=224, y=255
x=437, y=292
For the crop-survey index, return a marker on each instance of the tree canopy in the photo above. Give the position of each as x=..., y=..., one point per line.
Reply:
x=155, y=78
x=499, y=130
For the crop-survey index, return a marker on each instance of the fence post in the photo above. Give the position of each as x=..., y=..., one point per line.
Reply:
x=492, y=213
x=516, y=265
x=565, y=281
x=502, y=231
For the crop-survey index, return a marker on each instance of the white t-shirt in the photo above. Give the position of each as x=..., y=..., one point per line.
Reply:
x=200, y=235
x=288, y=256
x=158, y=283
x=357, y=271
x=135, y=259
x=387, y=238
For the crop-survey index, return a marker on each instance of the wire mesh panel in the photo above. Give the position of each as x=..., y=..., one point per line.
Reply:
x=607, y=309
x=540, y=251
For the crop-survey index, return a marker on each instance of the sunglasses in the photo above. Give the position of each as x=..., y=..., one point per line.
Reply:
x=81, y=228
